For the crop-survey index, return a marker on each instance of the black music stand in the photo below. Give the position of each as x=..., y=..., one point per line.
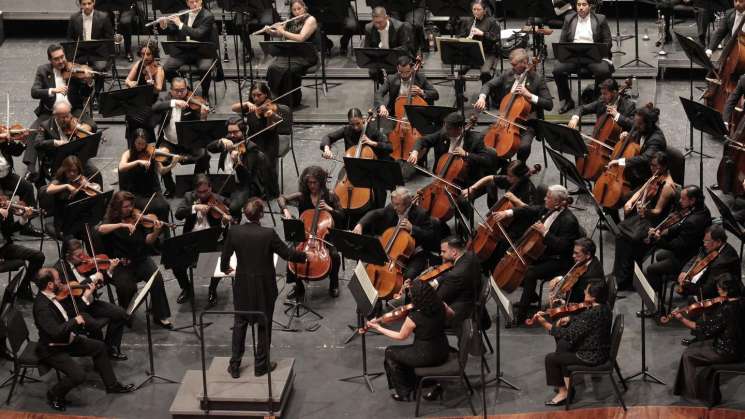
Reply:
x=279, y=49
x=705, y=120
x=195, y=135
x=168, y=6
x=636, y=61
x=185, y=183
x=366, y=173
x=561, y=138
x=376, y=59
x=465, y=53
x=84, y=149
x=96, y=203
x=327, y=12
x=649, y=299
x=504, y=308
x=535, y=13
x=454, y=9
x=183, y=252
x=235, y=7
x=579, y=54
x=124, y=101
x=427, y=119
x=728, y=219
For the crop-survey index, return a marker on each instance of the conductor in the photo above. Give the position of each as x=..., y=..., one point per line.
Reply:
x=255, y=287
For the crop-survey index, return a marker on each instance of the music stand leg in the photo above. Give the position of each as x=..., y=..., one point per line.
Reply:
x=644, y=374
x=636, y=61
x=498, y=376
x=691, y=149
x=619, y=37
x=295, y=313
x=151, y=376
x=193, y=327
x=366, y=376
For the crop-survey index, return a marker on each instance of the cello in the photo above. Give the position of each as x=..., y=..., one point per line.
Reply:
x=731, y=65
x=612, y=186
x=606, y=131
x=504, y=134
x=404, y=136
x=510, y=270
x=317, y=223
x=351, y=198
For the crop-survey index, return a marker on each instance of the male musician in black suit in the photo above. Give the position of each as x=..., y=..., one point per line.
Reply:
x=194, y=26
x=583, y=254
x=485, y=28
x=727, y=261
x=25, y=192
x=584, y=26
x=617, y=106
x=387, y=33
x=91, y=25
x=560, y=229
x=411, y=12
x=255, y=285
x=59, y=341
x=534, y=90
x=646, y=131
x=398, y=84
x=10, y=223
x=459, y=287
x=732, y=100
x=195, y=211
x=732, y=20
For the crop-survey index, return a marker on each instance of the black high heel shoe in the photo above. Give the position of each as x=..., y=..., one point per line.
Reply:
x=434, y=394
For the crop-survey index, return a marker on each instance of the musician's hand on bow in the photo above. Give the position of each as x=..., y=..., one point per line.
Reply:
x=28, y=212
x=4, y=213
x=458, y=151
x=79, y=319
x=60, y=143
x=406, y=225
x=130, y=83
x=227, y=218
x=113, y=263
x=573, y=122
x=327, y=154
x=227, y=144
x=413, y=157
x=357, y=229
x=480, y=104
x=201, y=208
x=383, y=111
x=476, y=32
x=501, y=215
x=250, y=107
x=181, y=104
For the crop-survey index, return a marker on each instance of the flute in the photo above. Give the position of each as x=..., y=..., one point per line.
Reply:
x=278, y=24
x=183, y=12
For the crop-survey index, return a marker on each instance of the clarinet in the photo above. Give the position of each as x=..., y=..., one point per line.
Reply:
x=225, y=58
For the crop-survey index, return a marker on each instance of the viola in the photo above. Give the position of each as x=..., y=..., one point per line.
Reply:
x=434, y=272
x=77, y=129
x=197, y=103
x=160, y=154
x=404, y=136
x=88, y=264
x=218, y=209
x=317, y=223
x=510, y=270
x=651, y=187
x=16, y=132
x=698, y=266
x=671, y=220
x=504, y=135
x=82, y=184
x=266, y=110
x=612, y=186
x=697, y=307
x=731, y=66
x=146, y=220
x=558, y=312
x=396, y=314
x=352, y=198
x=570, y=279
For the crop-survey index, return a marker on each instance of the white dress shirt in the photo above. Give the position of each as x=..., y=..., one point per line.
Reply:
x=175, y=117
x=738, y=18
x=583, y=31
x=384, y=43
x=58, y=82
x=87, y=26
x=551, y=218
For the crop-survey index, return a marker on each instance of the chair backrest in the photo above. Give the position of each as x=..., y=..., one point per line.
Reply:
x=615, y=336
x=16, y=329
x=676, y=165
x=610, y=281
x=469, y=343
x=285, y=127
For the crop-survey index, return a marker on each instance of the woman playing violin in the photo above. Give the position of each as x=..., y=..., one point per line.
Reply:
x=720, y=339
x=147, y=71
x=126, y=238
x=584, y=337
x=72, y=182
x=312, y=192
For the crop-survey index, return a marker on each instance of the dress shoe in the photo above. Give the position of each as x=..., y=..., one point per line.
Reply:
x=183, y=297
x=234, y=370
x=568, y=106
x=117, y=355
x=334, y=292
x=55, y=402
x=259, y=373
x=434, y=394
x=399, y=398
x=687, y=341
x=165, y=324
x=120, y=388
x=130, y=58
x=647, y=314
x=31, y=231
x=212, y=299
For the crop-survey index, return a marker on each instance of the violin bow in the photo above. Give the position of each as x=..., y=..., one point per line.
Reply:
x=93, y=250
x=142, y=61
x=69, y=290
x=504, y=234
x=15, y=190
x=142, y=213
x=430, y=174
x=74, y=56
x=206, y=73
x=254, y=135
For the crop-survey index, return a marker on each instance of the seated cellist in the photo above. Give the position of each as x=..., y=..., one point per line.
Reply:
x=400, y=83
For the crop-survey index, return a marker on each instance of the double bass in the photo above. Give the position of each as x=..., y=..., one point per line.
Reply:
x=404, y=136
x=504, y=134
x=352, y=198
x=731, y=169
x=731, y=66
x=317, y=223
x=612, y=186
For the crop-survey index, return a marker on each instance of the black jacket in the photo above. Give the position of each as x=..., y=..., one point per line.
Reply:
x=626, y=108
x=724, y=31
x=101, y=30
x=727, y=262
x=733, y=98
x=44, y=80
x=254, y=170
x=162, y=106
x=561, y=235
x=351, y=137
x=184, y=212
x=473, y=144
x=501, y=85
x=588, y=334
x=200, y=30
x=650, y=145
x=422, y=229
x=600, y=30
x=51, y=325
x=400, y=36
x=594, y=273
x=488, y=25
x=459, y=287
x=392, y=86
x=684, y=239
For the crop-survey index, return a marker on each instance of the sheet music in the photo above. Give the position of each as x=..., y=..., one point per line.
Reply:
x=144, y=291
x=233, y=263
x=504, y=303
x=649, y=292
x=462, y=40
x=365, y=282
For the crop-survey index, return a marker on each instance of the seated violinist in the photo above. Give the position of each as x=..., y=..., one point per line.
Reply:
x=586, y=336
x=720, y=339
x=587, y=268
x=13, y=142
x=24, y=194
x=71, y=183
x=200, y=209
x=406, y=81
x=612, y=103
x=714, y=258
x=559, y=228
x=458, y=287
x=312, y=193
x=75, y=267
x=12, y=220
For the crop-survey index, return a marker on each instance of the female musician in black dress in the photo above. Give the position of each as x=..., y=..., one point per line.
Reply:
x=430, y=348
x=312, y=189
x=485, y=28
x=147, y=71
x=583, y=339
x=282, y=74
x=66, y=189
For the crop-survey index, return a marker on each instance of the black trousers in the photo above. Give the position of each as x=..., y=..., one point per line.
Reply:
x=34, y=259
x=400, y=361
x=333, y=273
x=117, y=318
x=526, y=143
x=627, y=252
x=694, y=379
x=283, y=75
x=201, y=165
x=238, y=199
x=557, y=366
x=415, y=17
x=600, y=70
x=125, y=279
x=73, y=373
x=541, y=271
x=264, y=340
x=128, y=22
x=199, y=66
x=666, y=263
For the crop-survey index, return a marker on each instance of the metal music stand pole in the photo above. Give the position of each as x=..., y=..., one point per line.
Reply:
x=636, y=61
x=619, y=37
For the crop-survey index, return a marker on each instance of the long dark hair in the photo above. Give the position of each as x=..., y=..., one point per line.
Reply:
x=139, y=133
x=68, y=163
x=319, y=174
x=114, y=211
x=425, y=298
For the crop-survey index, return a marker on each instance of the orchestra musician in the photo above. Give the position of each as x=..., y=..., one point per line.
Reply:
x=312, y=192
x=249, y=168
x=130, y=22
x=485, y=28
x=10, y=223
x=250, y=14
x=411, y=12
x=732, y=19
x=720, y=339
x=196, y=211
x=622, y=113
x=91, y=25
x=59, y=341
x=652, y=140
x=386, y=32
x=458, y=287
x=583, y=255
x=534, y=90
x=400, y=83
x=25, y=192
x=196, y=27
x=726, y=261
x=146, y=71
x=733, y=100
x=255, y=285
x=426, y=322
x=560, y=229
x=284, y=74
x=583, y=26
x=10, y=147
x=129, y=241
x=586, y=337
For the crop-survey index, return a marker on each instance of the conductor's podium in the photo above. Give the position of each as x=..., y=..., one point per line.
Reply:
x=246, y=396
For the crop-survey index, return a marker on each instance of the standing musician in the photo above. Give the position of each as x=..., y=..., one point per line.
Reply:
x=146, y=71
x=726, y=261
x=59, y=341
x=646, y=209
x=485, y=28
x=352, y=135
x=255, y=285
x=505, y=83
x=732, y=19
x=249, y=168
x=584, y=26
x=680, y=242
x=91, y=25
x=587, y=335
x=196, y=27
x=584, y=256
x=198, y=212
x=312, y=192
x=411, y=12
x=387, y=33
x=426, y=321
x=622, y=113
x=249, y=14
x=113, y=316
x=720, y=336
x=11, y=222
x=399, y=84
x=137, y=174
x=416, y=222
x=130, y=22
x=560, y=229
x=129, y=241
x=284, y=74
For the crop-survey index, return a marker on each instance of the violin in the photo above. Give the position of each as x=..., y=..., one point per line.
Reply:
x=87, y=264
x=218, y=209
x=79, y=71
x=570, y=278
x=700, y=264
x=612, y=186
x=697, y=307
x=352, y=198
x=671, y=220
x=197, y=103
x=317, y=223
x=146, y=220
x=558, y=312
x=16, y=132
x=396, y=314
x=449, y=169
x=434, y=272
x=504, y=134
x=159, y=154
x=404, y=136
x=77, y=129
x=82, y=184
x=266, y=110
x=75, y=287
x=18, y=207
